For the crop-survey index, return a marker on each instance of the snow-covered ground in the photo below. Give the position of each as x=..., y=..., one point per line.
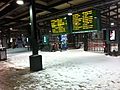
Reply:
x=67, y=70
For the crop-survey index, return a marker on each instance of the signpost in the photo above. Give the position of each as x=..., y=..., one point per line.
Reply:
x=82, y=22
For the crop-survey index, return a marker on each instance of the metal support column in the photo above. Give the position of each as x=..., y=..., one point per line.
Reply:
x=8, y=39
x=108, y=38
x=118, y=36
x=85, y=41
x=35, y=59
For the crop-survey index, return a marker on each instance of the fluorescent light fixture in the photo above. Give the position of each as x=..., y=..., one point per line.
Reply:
x=29, y=23
x=27, y=39
x=69, y=14
x=64, y=17
x=11, y=39
x=95, y=17
x=112, y=24
x=20, y=2
x=11, y=28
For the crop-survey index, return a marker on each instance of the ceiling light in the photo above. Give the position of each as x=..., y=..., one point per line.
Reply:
x=69, y=14
x=11, y=28
x=20, y=2
x=70, y=11
x=29, y=23
x=112, y=24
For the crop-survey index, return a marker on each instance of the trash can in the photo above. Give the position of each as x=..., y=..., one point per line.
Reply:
x=3, y=54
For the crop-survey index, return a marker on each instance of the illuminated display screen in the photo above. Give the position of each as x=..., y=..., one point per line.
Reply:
x=59, y=25
x=83, y=21
x=112, y=34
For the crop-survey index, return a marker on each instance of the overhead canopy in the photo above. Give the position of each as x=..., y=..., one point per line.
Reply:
x=13, y=15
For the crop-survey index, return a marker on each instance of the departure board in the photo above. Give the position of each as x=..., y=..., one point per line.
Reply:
x=86, y=20
x=59, y=25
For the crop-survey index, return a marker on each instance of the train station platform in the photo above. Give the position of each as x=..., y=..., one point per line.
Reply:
x=67, y=70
